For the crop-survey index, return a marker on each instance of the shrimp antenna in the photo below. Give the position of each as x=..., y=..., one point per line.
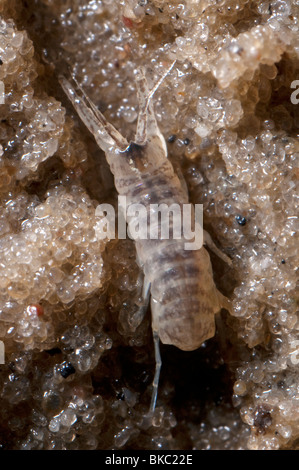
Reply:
x=105, y=134
x=147, y=125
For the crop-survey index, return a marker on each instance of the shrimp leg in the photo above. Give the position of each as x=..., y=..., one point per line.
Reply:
x=157, y=371
x=208, y=241
x=142, y=303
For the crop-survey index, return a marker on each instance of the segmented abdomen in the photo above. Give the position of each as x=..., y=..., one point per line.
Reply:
x=184, y=297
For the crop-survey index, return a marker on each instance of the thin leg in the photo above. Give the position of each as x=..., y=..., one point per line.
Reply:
x=224, y=302
x=208, y=241
x=157, y=372
x=143, y=305
x=146, y=290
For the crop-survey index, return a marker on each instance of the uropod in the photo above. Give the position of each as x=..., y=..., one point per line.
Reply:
x=179, y=282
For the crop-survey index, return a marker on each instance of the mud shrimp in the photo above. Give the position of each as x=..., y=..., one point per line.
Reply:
x=184, y=298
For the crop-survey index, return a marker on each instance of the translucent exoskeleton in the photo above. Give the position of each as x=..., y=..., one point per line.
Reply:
x=184, y=298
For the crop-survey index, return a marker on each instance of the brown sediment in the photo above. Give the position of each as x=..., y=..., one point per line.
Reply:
x=78, y=375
